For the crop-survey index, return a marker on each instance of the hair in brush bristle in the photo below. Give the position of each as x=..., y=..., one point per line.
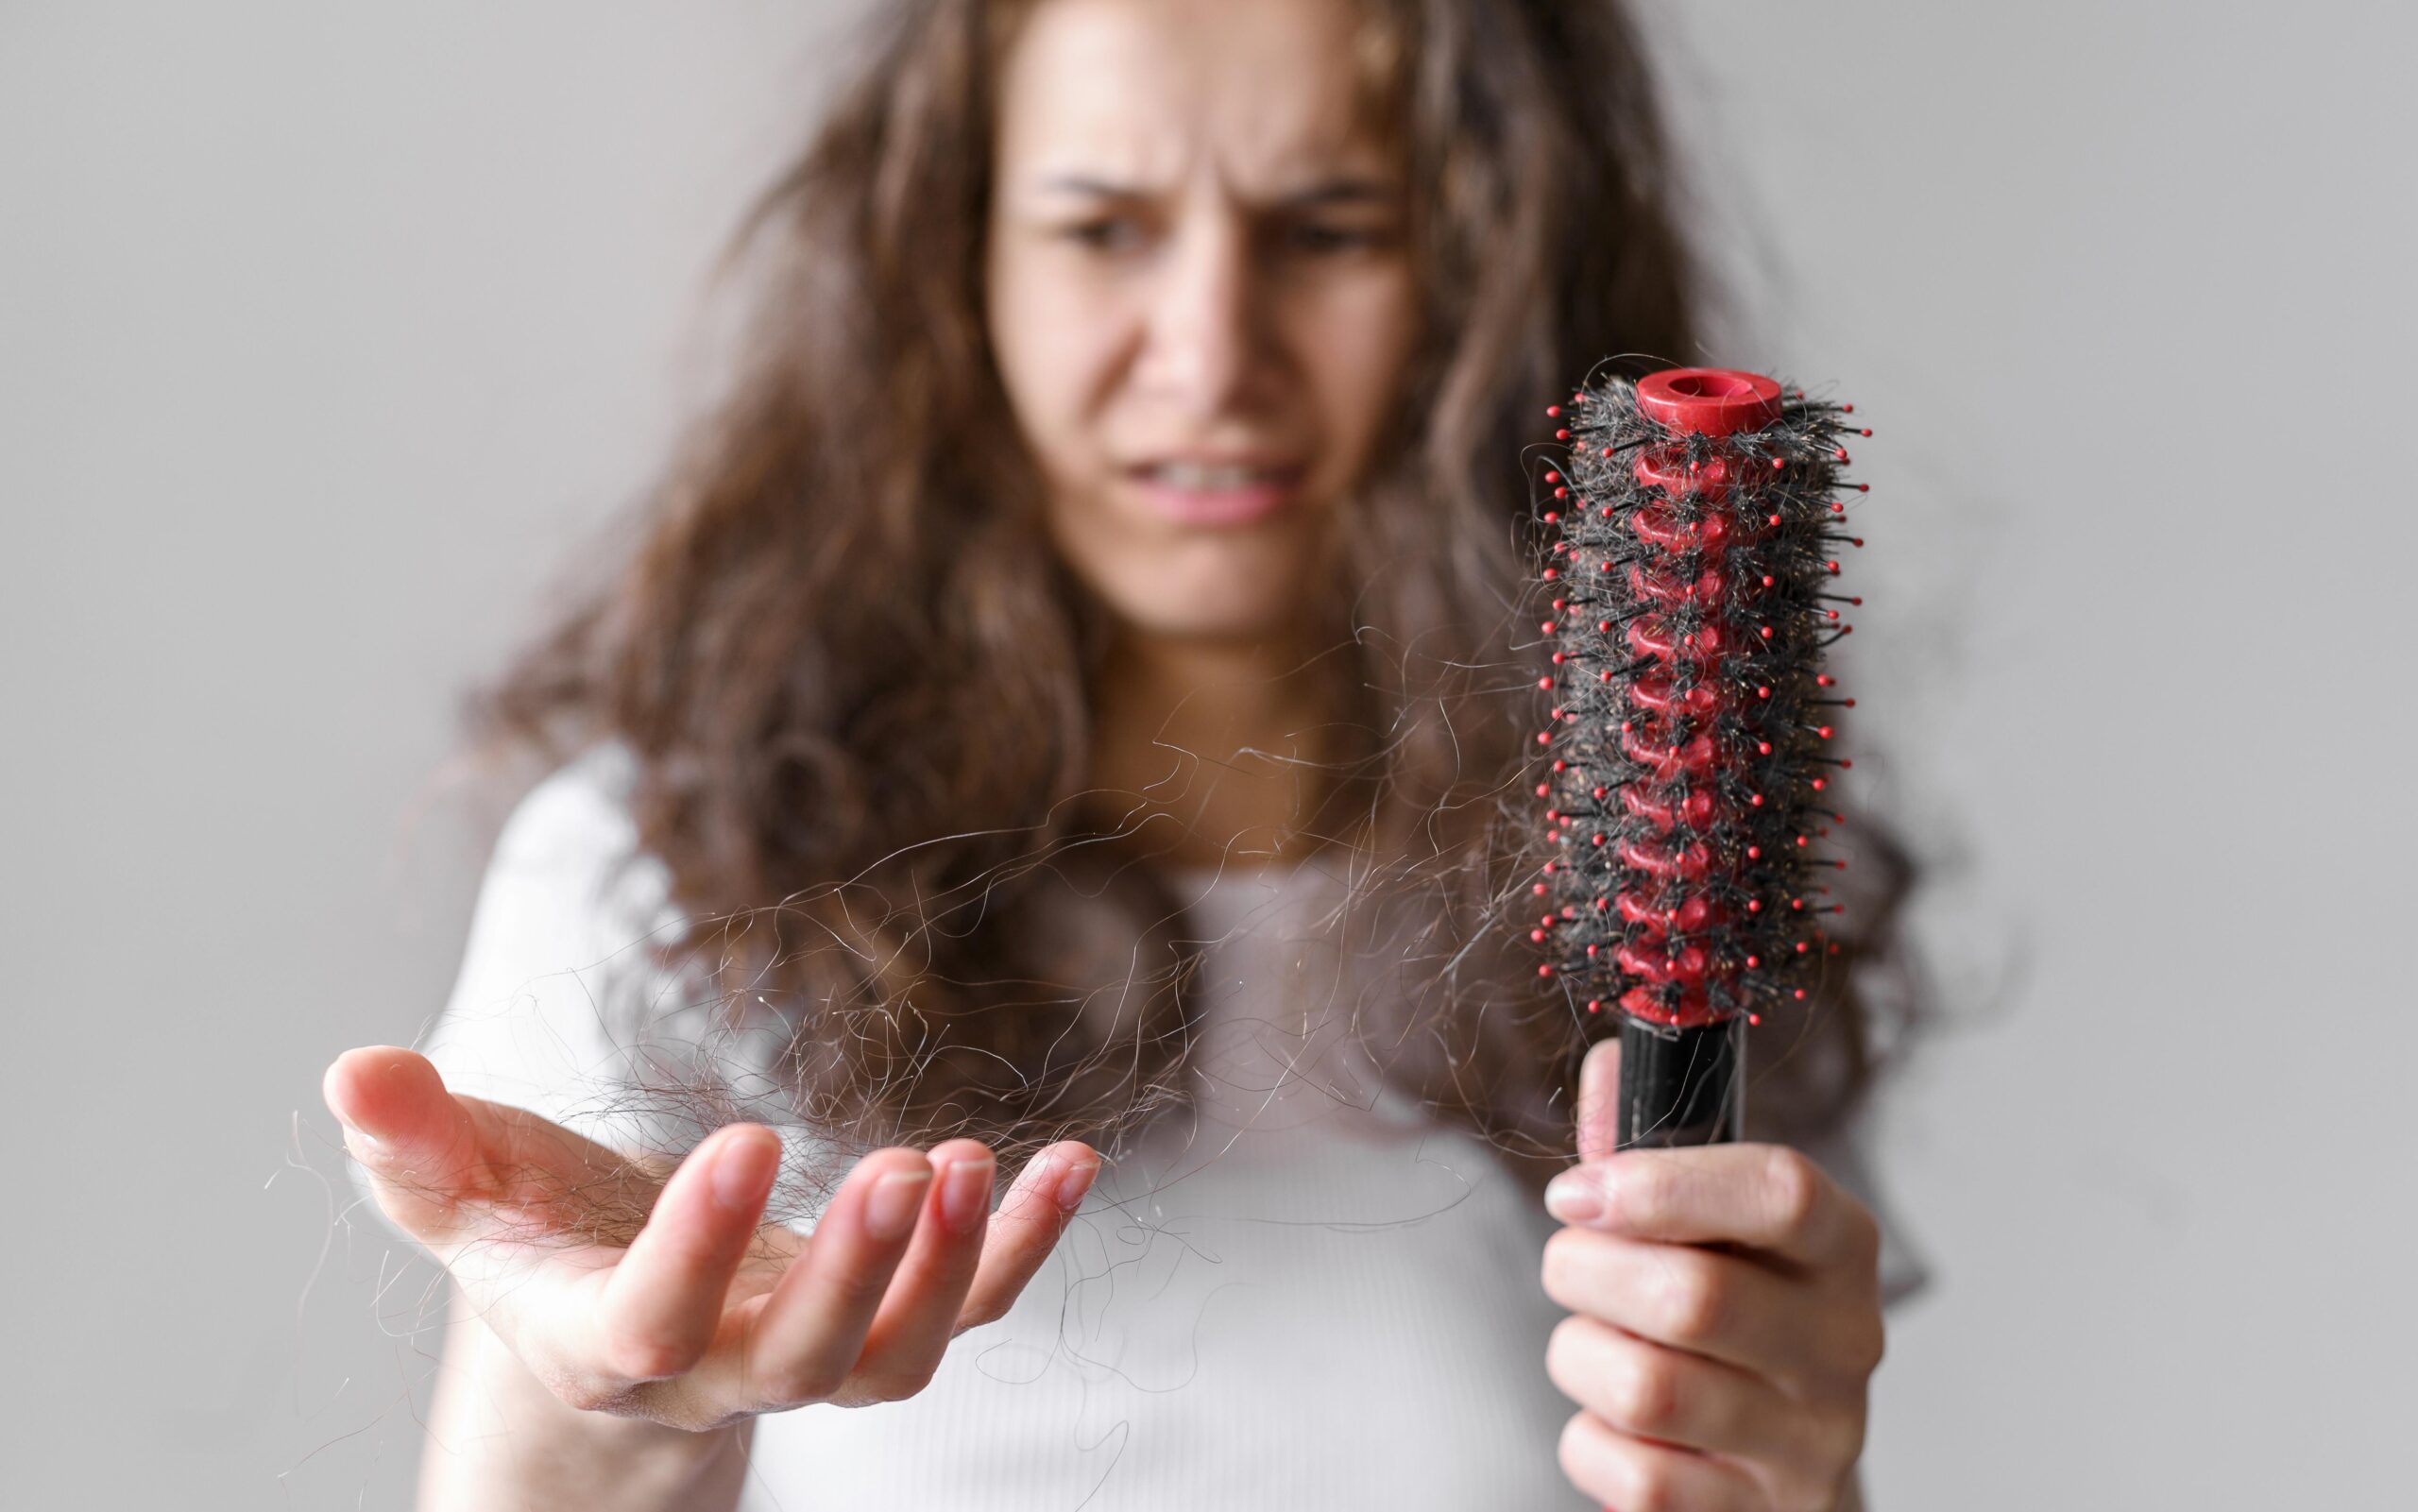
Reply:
x=1688, y=762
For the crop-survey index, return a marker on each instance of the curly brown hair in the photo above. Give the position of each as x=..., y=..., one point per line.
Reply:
x=844, y=580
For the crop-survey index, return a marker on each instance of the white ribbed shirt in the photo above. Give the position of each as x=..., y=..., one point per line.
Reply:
x=1297, y=1293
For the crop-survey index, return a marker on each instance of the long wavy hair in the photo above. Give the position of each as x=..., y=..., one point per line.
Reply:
x=860, y=684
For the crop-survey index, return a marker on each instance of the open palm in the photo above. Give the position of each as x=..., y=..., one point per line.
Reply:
x=660, y=1292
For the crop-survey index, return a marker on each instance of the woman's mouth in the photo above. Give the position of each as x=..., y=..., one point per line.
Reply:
x=1192, y=492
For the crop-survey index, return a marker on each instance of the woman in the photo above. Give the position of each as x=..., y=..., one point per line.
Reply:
x=1050, y=717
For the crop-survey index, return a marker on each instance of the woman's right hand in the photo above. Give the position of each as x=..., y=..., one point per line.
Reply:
x=664, y=1296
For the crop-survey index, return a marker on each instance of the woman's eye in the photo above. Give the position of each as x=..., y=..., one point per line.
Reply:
x=1114, y=233
x=1318, y=237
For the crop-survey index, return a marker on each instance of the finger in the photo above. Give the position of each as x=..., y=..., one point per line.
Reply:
x=1025, y=1229
x=916, y=1320
x=442, y=1164
x=659, y=1307
x=417, y=1142
x=1768, y=1197
x=1701, y=1301
x=1650, y=1391
x=1599, y=1083
x=1620, y=1470
x=803, y=1342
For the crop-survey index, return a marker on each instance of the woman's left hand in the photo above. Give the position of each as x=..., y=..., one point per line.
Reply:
x=1726, y=1318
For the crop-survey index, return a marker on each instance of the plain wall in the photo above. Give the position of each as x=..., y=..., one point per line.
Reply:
x=326, y=333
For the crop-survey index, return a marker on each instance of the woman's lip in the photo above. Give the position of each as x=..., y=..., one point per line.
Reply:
x=1250, y=503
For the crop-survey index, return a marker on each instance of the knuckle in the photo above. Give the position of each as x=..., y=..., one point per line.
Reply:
x=1646, y=1398
x=1837, y=1443
x=1695, y=1304
x=1869, y=1344
x=1560, y=1257
x=1646, y=1192
x=856, y=1288
x=1649, y=1488
x=641, y=1357
x=1795, y=1187
x=796, y=1383
x=897, y=1385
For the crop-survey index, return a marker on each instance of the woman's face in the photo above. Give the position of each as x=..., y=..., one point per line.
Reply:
x=1199, y=296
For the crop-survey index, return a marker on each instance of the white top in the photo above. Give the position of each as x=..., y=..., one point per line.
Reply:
x=1300, y=1293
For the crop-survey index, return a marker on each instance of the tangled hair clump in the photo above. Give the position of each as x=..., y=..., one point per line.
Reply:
x=844, y=577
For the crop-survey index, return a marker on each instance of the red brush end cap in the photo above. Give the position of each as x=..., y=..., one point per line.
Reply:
x=1709, y=401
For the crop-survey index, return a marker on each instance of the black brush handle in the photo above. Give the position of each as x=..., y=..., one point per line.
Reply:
x=1680, y=1086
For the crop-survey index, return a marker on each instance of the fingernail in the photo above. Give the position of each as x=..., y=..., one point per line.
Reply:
x=740, y=1169
x=1574, y=1198
x=965, y=1193
x=1074, y=1181
x=892, y=1206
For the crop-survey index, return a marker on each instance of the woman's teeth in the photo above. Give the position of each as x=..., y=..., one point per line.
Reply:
x=1192, y=477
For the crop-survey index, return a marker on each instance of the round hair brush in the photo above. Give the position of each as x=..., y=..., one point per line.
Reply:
x=1690, y=579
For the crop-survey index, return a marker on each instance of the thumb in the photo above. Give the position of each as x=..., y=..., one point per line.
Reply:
x=1599, y=1086
x=417, y=1143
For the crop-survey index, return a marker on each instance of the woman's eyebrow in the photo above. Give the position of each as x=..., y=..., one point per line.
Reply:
x=1350, y=189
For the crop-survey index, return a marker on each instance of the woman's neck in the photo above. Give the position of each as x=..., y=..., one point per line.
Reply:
x=1215, y=750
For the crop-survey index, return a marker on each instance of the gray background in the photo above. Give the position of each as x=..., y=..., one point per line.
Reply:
x=326, y=332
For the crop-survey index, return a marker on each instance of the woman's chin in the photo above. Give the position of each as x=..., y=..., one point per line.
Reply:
x=1247, y=612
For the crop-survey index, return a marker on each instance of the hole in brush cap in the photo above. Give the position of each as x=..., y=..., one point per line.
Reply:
x=1709, y=401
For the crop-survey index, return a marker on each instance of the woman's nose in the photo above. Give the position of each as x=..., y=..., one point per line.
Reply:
x=1204, y=338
